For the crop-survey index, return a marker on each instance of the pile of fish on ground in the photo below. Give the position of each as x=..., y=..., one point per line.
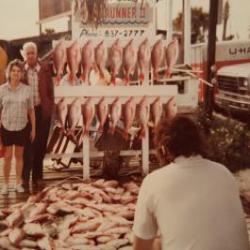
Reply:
x=97, y=215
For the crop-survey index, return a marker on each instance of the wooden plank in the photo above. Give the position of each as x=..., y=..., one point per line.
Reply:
x=164, y=91
x=86, y=157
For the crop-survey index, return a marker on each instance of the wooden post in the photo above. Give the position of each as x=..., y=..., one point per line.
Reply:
x=86, y=157
x=145, y=153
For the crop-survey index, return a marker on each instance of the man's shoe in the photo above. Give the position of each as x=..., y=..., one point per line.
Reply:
x=26, y=186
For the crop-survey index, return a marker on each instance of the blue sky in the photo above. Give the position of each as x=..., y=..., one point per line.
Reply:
x=18, y=18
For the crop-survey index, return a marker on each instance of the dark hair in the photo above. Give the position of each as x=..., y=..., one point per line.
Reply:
x=182, y=137
x=16, y=62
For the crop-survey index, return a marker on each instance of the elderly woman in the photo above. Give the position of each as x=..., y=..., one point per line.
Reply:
x=16, y=105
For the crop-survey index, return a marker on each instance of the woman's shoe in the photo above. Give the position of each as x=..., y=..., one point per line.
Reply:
x=19, y=188
x=5, y=189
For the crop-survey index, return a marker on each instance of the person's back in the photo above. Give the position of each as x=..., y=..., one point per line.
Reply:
x=194, y=204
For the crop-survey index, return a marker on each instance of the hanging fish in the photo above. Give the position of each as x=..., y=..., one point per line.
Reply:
x=115, y=114
x=172, y=53
x=115, y=59
x=59, y=60
x=88, y=61
x=74, y=115
x=102, y=112
x=156, y=111
x=129, y=115
x=73, y=60
x=129, y=61
x=144, y=55
x=88, y=114
x=157, y=58
x=143, y=116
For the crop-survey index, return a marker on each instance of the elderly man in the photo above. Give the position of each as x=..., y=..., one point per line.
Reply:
x=192, y=203
x=38, y=76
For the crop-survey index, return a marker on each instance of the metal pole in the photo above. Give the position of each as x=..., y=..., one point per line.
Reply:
x=169, y=11
x=211, y=48
x=187, y=30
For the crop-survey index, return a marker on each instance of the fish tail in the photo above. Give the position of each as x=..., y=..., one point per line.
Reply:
x=69, y=132
x=112, y=130
x=85, y=133
x=102, y=76
x=100, y=128
x=168, y=73
x=142, y=133
x=141, y=77
x=57, y=80
x=125, y=135
x=71, y=78
x=113, y=81
x=155, y=74
x=126, y=80
x=83, y=78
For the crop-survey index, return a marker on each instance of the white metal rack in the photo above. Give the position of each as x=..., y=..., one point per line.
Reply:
x=111, y=92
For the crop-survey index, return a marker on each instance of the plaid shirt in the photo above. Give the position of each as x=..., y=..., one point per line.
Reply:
x=14, y=105
x=32, y=75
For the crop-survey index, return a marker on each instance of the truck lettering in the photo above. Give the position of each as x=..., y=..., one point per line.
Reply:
x=241, y=50
x=232, y=52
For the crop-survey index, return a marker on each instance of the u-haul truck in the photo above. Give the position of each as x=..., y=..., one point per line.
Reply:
x=232, y=91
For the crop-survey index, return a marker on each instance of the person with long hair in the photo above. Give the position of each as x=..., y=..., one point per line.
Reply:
x=193, y=203
x=16, y=105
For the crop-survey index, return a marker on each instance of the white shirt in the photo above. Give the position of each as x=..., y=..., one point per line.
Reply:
x=195, y=205
x=32, y=75
x=15, y=104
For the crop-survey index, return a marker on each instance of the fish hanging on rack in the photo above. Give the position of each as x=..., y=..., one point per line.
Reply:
x=74, y=115
x=129, y=61
x=144, y=55
x=101, y=58
x=115, y=114
x=102, y=112
x=115, y=60
x=128, y=115
x=88, y=114
x=59, y=60
x=88, y=61
x=172, y=53
x=171, y=108
x=62, y=110
x=73, y=60
x=143, y=114
x=156, y=111
x=157, y=58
